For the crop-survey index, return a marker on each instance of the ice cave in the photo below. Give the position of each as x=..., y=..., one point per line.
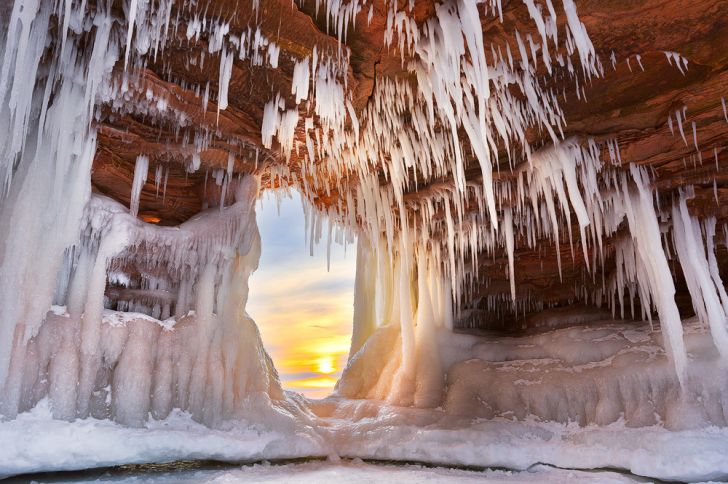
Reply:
x=533, y=193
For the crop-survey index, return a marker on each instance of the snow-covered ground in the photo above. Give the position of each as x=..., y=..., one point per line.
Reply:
x=35, y=442
x=373, y=431
x=369, y=430
x=352, y=472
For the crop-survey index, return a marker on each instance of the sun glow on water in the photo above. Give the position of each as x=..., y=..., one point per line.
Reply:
x=304, y=312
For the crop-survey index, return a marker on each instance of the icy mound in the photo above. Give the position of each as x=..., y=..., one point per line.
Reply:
x=595, y=374
x=145, y=366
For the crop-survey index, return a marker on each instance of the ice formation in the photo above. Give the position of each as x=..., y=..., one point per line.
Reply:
x=460, y=160
x=197, y=351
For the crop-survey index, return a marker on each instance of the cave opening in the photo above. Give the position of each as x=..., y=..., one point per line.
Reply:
x=301, y=295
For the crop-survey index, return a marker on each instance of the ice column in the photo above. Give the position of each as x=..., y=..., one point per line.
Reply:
x=364, y=322
x=394, y=349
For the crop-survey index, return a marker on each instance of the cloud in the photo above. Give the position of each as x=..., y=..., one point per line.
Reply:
x=305, y=375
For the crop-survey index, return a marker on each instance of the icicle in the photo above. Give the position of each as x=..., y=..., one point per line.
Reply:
x=653, y=272
x=695, y=137
x=141, y=169
x=226, y=70
x=131, y=20
x=301, y=79
x=697, y=271
x=157, y=179
x=508, y=234
x=678, y=115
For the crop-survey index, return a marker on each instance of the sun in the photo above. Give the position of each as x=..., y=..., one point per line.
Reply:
x=325, y=365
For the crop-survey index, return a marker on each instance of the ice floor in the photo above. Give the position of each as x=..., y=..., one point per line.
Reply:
x=372, y=431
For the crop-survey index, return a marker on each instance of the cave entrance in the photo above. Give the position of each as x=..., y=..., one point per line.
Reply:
x=303, y=310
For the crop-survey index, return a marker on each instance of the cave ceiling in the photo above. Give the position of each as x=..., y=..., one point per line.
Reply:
x=630, y=103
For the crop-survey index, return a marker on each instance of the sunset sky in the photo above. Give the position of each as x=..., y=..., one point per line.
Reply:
x=304, y=312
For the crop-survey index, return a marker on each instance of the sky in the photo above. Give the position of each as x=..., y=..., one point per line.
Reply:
x=304, y=312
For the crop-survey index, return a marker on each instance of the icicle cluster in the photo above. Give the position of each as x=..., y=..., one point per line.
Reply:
x=47, y=146
x=416, y=134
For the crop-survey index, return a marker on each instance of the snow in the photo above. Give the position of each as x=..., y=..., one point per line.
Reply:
x=371, y=430
x=36, y=442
